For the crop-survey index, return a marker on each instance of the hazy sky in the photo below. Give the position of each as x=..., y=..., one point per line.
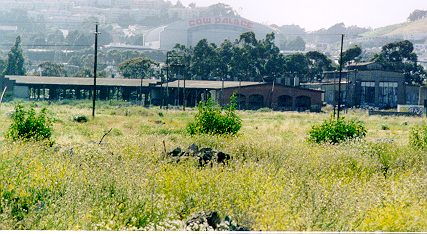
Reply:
x=316, y=14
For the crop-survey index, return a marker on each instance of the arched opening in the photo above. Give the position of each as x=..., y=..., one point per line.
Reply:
x=284, y=102
x=303, y=103
x=256, y=102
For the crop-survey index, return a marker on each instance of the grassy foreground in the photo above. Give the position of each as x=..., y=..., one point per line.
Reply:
x=275, y=181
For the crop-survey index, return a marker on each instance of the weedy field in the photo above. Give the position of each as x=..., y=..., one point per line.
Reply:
x=275, y=180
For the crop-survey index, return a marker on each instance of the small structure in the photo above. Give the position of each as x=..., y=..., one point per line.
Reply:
x=250, y=95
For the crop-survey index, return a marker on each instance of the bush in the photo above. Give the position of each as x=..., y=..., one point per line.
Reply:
x=336, y=131
x=211, y=119
x=28, y=125
x=385, y=127
x=418, y=137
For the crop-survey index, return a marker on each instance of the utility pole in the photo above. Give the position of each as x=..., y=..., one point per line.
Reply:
x=339, y=81
x=184, y=98
x=95, y=64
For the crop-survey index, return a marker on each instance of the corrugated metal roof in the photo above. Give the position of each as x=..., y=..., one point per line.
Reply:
x=78, y=81
x=210, y=84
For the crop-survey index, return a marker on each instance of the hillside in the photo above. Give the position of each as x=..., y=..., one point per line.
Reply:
x=415, y=28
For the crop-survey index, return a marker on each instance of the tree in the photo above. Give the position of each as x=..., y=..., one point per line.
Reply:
x=137, y=67
x=317, y=64
x=270, y=61
x=225, y=55
x=204, y=59
x=84, y=72
x=400, y=57
x=298, y=44
x=221, y=10
x=296, y=65
x=15, y=60
x=351, y=54
x=246, y=54
x=180, y=59
x=79, y=39
x=417, y=15
x=57, y=38
x=52, y=69
x=105, y=37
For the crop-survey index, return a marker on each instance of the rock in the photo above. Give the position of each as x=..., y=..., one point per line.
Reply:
x=222, y=157
x=192, y=150
x=176, y=152
x=213, y=219
x=206, y=156
x=206, y=221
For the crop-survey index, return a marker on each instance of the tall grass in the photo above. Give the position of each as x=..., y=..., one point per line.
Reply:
x=276, y=180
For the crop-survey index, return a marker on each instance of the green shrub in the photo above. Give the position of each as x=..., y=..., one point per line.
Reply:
x=418, y=137
x=336, y=131
x=385, y=127
x=212, y=119
x=28, y=125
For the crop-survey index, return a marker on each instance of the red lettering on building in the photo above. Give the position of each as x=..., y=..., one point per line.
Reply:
x=219, y=20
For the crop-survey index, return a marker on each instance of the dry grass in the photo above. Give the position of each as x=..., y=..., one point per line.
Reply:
x=275, y=181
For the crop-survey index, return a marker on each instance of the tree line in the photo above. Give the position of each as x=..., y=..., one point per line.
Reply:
x=245, y=59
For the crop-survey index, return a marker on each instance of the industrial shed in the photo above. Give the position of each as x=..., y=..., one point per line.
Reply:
x=59, y=88
x=250, y=95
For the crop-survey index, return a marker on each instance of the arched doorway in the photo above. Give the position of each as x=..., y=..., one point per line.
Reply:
x=284, y=102
x=303, y=103
x=256, y=101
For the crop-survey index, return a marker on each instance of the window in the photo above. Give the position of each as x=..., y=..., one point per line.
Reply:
x=388, y=94
x=368, y=93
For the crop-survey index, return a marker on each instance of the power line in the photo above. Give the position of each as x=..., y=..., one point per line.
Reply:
x=40, y=45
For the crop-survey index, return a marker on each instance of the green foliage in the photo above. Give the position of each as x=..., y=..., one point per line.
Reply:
x=317, y=64
x=351, y=55
x=400, y=57
x=336, y=131
x=385, y=127
x=274, y=181
x=418, y=137
x=52, y=69
x=298, y=44
x=15, y=60
x=28, y=125
x=211, y=119
x=137, y=67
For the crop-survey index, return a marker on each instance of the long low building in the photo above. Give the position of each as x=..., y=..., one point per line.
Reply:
x=59, y=88
x=250, y=95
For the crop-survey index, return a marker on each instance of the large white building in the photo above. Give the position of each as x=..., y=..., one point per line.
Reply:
x=214, y=29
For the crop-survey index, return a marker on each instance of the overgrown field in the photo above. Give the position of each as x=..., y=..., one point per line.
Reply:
x=276, y=180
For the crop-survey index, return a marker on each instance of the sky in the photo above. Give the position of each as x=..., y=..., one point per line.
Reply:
x=317, y=14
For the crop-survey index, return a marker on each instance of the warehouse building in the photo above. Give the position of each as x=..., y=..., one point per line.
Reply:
x=250, y=95
x=214, y=29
